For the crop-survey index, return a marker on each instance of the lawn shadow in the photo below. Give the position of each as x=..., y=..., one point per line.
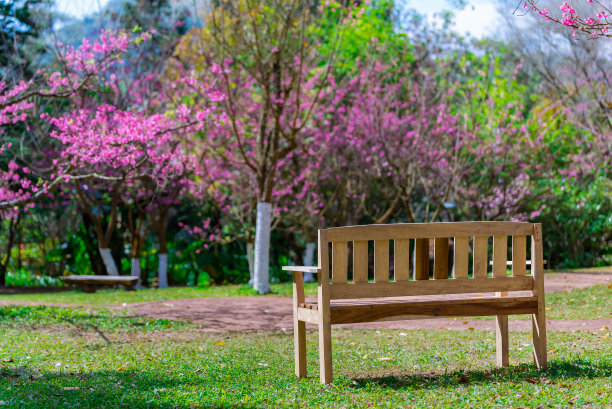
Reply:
x=24, y=388
x=558, y=371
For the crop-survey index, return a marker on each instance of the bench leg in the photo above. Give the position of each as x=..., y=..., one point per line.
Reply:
x=299, y=337
x=501, y=335
x=539, y=340
x=325, y=352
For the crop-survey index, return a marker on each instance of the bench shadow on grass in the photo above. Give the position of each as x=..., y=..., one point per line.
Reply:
x=102, y=389
x=558, y=371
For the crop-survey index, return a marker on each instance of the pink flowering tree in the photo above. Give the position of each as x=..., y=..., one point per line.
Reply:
x=271, y=86
x=594, y=21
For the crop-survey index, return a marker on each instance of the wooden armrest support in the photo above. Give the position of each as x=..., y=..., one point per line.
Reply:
x=303, y=269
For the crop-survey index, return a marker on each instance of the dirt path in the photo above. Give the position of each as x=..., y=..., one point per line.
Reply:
x=275, y=313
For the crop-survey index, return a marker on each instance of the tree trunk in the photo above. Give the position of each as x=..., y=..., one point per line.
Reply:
x=309, y=261
x=109, y=262
x=9, y=246
x=261, y=281
x=162, y=270
x=250, y=260
x=136, y=267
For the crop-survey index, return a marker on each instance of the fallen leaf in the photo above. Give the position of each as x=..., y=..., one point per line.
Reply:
x=563, y=385
x=480, y=295
x=551, y=351
x=531, y=380
x=610, y=286
x=604, y=329
x=574, y=399
x=266, y=311
x=464, y=322
x=8, y=360
x=470, y=328
x=384, y=359
x=547, y=308
x=220, y=343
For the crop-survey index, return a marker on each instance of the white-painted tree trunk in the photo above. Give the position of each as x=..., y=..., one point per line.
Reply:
x=135, y=271
x=309, y=261
x=162, y=270
x=109, y=262
x=251, y=261
x=261, y=281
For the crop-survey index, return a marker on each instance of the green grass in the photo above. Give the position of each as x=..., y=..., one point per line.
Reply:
x=587, y=303
x=119, y=297
x=52, y=365
x=40, y=316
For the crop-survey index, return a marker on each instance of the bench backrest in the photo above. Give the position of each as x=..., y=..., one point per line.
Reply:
x=413, y=278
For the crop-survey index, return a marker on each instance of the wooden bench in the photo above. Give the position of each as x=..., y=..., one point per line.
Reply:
x=414, y=292
x=90, y=283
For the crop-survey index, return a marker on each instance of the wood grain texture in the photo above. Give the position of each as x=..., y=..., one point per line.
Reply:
x=519, y=255
x=401, y=260
x=421, y=259
x=388, y=311
x=381, y=261
x=460, y=265
x=440, y=258
x=539, y=318
x=430, y=287
x=500, y=255
x=323, y=297
x=480, y=260
x=501, y=340
x=360, y=261
x=308, y=315
x=339, y=261
x=299, y=326
x=429, y=230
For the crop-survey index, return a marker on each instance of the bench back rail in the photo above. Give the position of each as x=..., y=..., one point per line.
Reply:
x=393, y=260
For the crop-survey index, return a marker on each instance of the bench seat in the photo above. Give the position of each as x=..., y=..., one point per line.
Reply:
x=393, y=309
x=90, y=283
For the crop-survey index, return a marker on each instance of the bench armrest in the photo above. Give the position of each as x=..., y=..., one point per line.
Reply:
x=303, y=269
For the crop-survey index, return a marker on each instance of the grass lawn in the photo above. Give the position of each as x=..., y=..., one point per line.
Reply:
x=54, y=357
x=118, y=297
x=589, y=303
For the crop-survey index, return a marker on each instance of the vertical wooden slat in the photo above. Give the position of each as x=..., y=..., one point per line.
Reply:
x=460, y=266
x=519, y=255
x=421, y=259
x=500, y=256
x=339, y=261
x=381, y=260
x=325, y=351
x=299, y=327
x=360, y=261
x=402, y=259
x=538, y=319
x=481, y=256
x=440, y=258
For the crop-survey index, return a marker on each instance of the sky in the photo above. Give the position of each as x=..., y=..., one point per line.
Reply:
x=477, y=19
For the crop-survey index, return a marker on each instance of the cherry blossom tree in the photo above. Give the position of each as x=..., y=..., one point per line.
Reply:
x=597, y=22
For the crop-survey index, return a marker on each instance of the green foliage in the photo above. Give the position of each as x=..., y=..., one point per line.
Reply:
x=372, y=27
x=577, y=221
